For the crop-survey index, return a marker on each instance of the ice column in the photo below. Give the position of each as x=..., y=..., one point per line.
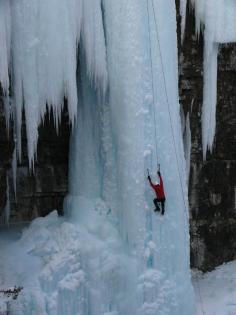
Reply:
x=219, y=20
x=132, y=67
x=183, y=7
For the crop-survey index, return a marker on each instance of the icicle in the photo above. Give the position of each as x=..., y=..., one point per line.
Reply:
x=187, y=145
x=183, y=5
x=209, y=96
x=7, y=112
x=182, y=119
x=14, y=169
x=45, y=37
x=94, y=41
x=199, y=6
x=186, y=133
x=7, y=209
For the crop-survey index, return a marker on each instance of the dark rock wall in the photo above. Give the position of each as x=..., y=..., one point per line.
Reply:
x=6, y=150
x=41, y=191
x=212, y=185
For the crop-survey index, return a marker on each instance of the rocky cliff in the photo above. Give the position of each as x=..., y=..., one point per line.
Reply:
x=40, y=191
x=212, y=183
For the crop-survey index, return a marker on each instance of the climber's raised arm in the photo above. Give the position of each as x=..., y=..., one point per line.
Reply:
x=150, y=182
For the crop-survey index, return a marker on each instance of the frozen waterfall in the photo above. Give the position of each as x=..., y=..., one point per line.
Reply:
x=111, y=254
x=113, y=145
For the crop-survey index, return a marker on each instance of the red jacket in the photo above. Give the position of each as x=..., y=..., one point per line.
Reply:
x=159, y=189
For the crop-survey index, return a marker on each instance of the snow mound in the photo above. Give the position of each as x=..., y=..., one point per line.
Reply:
x=69, y=265
x=216, y=290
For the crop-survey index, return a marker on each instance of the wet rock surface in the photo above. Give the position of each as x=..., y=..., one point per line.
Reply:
x=6, y=150
x=212, y=183
x=41, y=190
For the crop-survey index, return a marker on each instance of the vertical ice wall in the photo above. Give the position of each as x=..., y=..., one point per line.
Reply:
x=186, y=132
x=117, y=139
x=187, y=145
x=183, y=7
x=127, y=42
x=218, y=19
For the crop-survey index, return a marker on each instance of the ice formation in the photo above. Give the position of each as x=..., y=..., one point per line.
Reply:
x=14, y=170
x=111, y=254
x=182, y=9
x=113, y=144
x=44, y=36
x=7, y=210
x=219, y=23
x=186, y=132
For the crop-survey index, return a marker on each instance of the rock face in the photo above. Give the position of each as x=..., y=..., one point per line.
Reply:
x=40, y=192
x=6, y=150
x=212, y=184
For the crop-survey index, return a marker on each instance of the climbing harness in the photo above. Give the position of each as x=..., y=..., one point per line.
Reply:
x=170, y=118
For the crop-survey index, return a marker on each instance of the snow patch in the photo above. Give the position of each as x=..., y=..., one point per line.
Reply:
x=219, y=21
x=216, y=290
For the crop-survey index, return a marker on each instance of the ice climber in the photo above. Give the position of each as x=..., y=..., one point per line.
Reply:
x=160, y=194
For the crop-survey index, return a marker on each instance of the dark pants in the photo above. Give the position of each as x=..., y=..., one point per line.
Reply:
x=156, y=202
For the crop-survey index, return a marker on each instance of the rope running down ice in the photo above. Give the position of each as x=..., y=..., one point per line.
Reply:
x=172, y=131
x=153, y=90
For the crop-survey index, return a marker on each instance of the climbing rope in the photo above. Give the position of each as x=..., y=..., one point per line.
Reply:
x=171, y=123
x=168, y=106
x=153, y=90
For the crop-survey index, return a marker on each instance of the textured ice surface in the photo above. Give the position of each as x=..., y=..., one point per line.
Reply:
x=183, y=8
x=111, y=254
x=219, y=18
x=74, y=267
x=115, y=141
x=52, y=250
x=186, y=131
x=44, y=37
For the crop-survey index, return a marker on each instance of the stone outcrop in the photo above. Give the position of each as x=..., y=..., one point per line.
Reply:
x=212, y=183
x=41, y=191
x=6, y=150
